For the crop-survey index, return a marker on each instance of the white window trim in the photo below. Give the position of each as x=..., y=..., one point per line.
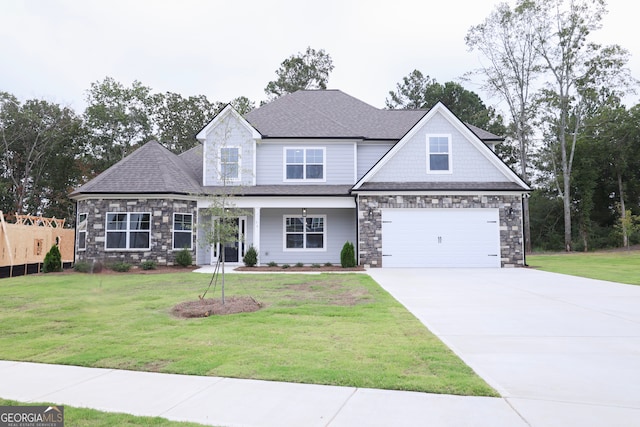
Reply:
x=226, y=179
x=450, y=156
x=324, y=234
x=83, y=231
x=173, y=232
x=128, y=232
x=304, y=164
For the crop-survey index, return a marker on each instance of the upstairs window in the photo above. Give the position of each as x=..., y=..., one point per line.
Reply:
x=438, y=154
x=304, y=164
x=128, y=230
x=229, y=163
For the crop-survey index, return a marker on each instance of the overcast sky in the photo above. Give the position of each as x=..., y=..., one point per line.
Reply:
x=54, y=49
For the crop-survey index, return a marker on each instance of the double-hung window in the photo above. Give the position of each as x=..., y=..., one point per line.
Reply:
x=182, y=231
x=304, y=164
x=82, y=231
x=128, y=230
x=439, y=153
x=229, y=163
x=304, y=233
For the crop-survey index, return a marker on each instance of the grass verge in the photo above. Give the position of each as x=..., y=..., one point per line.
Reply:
x=617, y=266
x=83, y=417
x=337, y=329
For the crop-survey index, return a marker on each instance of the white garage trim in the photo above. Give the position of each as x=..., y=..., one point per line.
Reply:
x=441, y=237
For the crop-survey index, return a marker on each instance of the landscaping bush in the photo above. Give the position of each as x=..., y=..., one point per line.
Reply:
x=121, y=267
x=52, y=260
x=299, y=264
x=184, y=258
x=148, y=265
x=250, y=258
x=82, y=267
x=272, y=264
x=348, y=256
x=285, y=266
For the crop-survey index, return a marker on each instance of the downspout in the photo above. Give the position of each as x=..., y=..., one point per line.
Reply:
x=75, y=234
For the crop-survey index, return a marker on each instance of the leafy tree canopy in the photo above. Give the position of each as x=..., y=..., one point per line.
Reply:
x=417, y=91
x=308, y=70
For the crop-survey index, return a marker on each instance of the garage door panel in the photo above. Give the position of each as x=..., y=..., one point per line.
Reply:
x=440, y=238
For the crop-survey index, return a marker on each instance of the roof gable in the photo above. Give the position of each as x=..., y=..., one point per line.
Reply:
x=228, y=110
x=468, y=135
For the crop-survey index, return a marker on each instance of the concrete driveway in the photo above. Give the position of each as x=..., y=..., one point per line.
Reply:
x=562, y=350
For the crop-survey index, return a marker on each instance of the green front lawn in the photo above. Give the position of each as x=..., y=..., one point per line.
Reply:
x=338, y=329
x=620, y=266
x=83, y=417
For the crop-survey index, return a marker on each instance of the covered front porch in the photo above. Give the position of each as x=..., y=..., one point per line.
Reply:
x=283, y=230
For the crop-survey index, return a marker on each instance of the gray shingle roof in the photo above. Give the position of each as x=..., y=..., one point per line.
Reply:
x=329, y=114
x=303, y=114
x=150, y=169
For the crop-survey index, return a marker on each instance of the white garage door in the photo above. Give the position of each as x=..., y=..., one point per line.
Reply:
x=440, y=238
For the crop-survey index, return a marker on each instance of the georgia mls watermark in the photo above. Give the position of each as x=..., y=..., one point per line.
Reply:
x=31, y=416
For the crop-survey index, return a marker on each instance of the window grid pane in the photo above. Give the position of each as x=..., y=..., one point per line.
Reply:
x=304, y=233
x=304, y=163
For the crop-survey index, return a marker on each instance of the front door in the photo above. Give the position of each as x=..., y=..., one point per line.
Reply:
x=233, y=251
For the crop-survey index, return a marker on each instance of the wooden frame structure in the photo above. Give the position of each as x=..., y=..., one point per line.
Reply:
x=24, y=244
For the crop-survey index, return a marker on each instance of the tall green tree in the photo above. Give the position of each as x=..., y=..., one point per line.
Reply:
x=41, y=144
x=576, y=69
x=417, y=91
x=507, y=41
x=176, y=120
x=308, y=70
x=119, y=119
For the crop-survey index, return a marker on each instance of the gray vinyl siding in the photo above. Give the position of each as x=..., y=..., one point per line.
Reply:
x=410, y=163
x=340, y=227
x=369, y=154
x=339, y=162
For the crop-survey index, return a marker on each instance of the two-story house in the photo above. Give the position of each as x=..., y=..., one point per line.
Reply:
x=307, y=173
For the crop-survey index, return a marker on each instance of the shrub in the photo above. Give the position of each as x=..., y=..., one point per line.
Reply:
x=82, y=267
x=299, y=264
x=148, y=265
x=315, y=265
x=285, y=266
x=52, y=260
x=272, y=264
x=121, y=267
x=348, y=256
x=250, y=258
x=328, y=264
x=184, y=258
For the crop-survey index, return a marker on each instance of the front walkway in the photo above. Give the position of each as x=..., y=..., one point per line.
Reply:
x=562, y=350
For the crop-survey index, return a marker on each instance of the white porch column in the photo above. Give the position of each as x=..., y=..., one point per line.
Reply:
x=256, y=231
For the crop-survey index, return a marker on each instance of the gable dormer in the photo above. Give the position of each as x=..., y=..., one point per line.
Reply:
x=229, y=150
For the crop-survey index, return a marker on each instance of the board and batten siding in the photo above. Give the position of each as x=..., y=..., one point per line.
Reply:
x=339, y=162
x=410, y=163
x=340, y=227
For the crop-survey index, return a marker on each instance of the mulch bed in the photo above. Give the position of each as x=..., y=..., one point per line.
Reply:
x=279, y=269
x=213, y=306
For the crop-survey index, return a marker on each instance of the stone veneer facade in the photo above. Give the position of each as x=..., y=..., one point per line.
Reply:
x=511, y=232
x=161, y=210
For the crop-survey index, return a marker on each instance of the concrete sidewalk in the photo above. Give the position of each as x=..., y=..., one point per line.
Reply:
x=234, y=402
